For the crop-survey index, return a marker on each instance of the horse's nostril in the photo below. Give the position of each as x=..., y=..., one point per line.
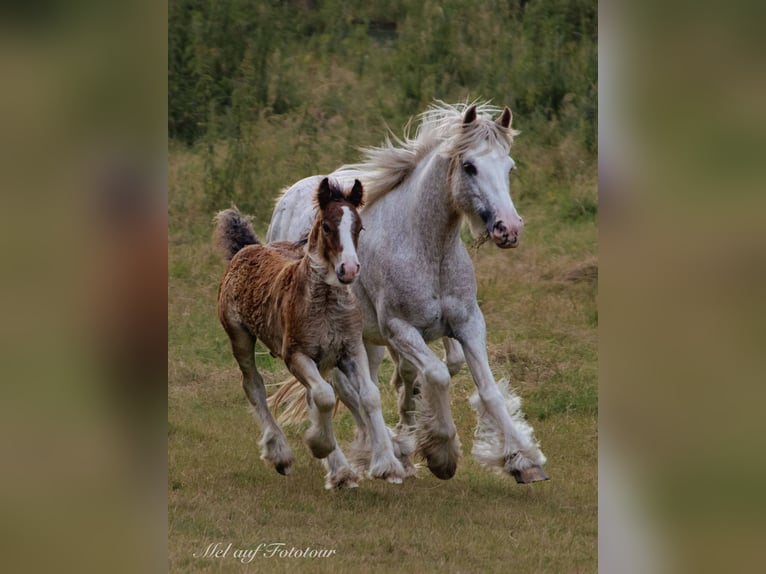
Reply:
x=342, y=269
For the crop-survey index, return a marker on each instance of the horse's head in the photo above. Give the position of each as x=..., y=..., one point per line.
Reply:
x=479, y=173
x=334, y=237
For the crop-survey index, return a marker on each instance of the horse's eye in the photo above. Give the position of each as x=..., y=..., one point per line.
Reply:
x=469, y=168
x=325, y=228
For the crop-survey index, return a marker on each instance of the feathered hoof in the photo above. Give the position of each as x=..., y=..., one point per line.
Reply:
x=319, y=444
x=391, y=471
x=283, y=469
x=443, y=471
x=344, y=478
x=531, y=474
x=441, y=454
x=282, y=462
x=410, y=469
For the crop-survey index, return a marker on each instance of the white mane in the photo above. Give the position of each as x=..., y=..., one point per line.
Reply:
x=384, y=168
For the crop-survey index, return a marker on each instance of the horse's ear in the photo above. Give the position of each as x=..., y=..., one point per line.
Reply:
x=356, y=196
x=505, y=118
x=470, y=115
x=324, y=193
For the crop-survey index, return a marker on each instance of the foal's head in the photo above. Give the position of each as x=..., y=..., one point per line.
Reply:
x=334, y=237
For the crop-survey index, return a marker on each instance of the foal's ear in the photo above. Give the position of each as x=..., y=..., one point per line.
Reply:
x=356, y=195
x=470, y=115
x=324, y=194
x=505, y=118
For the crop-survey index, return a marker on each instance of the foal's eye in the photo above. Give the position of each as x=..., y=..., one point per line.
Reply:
x=469, y=168
x=325, y=228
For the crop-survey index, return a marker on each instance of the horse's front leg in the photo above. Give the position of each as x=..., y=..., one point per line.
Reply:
x=436, y=435
x=383, y=462
x=503, y=439
x=321, y=401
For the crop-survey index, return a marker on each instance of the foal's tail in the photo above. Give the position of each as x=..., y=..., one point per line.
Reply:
x=290, y=401
x=233, y=231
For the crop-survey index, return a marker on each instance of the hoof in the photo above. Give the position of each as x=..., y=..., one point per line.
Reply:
x=319, y=445
x=390, y=470
x=283, y=469
x=441, y=454
x=342, y=485
x=410, y=470
x=343, y=479
x=531, y=474
x=443, y=472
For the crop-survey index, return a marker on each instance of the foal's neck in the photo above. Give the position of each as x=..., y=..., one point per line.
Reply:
x=321, y=293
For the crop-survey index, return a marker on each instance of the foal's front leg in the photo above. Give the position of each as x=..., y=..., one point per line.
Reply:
x=321, y=399
x=504, y=440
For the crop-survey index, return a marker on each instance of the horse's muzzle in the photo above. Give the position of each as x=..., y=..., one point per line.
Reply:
x=507, y=235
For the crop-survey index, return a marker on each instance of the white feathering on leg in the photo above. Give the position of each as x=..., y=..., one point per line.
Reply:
x=488, y=445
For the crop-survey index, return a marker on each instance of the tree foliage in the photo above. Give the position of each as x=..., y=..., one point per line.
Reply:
x=233, y=61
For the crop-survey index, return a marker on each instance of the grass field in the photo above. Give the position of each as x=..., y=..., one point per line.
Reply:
x=540, y=305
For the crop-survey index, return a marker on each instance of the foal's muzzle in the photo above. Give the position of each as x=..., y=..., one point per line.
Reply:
x=347, y=273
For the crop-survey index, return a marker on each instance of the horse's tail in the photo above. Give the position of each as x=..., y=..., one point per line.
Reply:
x=233, y=231
x=291, y=397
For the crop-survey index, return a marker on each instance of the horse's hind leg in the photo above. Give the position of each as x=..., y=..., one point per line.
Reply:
x=274, y=448
x=453, y=355
x=321, y=400
x=357, y=383
x=360, y=449
x=403, y=380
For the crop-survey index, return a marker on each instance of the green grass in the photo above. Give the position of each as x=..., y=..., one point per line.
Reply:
x=540, y=305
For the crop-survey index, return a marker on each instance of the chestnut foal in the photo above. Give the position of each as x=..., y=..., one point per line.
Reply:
x=299, y=304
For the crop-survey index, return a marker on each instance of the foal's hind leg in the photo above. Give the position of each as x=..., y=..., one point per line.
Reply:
x=321, y=401
x=274, y=448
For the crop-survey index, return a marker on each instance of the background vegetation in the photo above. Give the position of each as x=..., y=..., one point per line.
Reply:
x=264, y=93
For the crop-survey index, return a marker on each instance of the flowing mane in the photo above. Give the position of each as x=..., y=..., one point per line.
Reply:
x=385, y=167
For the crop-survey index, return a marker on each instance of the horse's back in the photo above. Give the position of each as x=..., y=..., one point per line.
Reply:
x=294, y=212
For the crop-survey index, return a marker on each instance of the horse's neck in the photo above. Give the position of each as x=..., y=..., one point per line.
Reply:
x=425, y=207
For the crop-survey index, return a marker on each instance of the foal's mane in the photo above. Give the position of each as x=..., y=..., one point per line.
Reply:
x=387, y=166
